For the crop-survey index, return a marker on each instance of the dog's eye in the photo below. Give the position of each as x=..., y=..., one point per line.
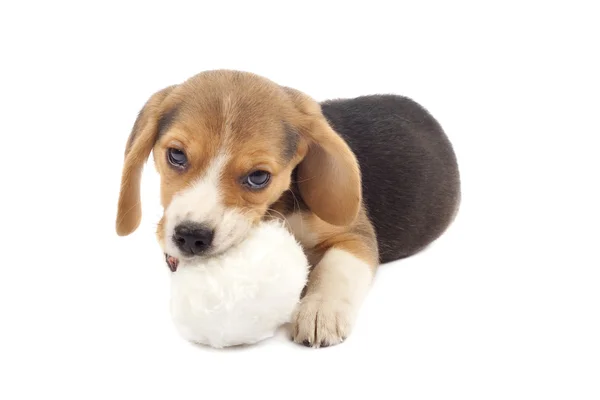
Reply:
x=177, y=158
x=257, y=179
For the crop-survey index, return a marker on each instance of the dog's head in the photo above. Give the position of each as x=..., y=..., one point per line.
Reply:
x=226, y=144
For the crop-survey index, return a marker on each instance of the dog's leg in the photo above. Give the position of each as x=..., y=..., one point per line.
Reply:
x=336, y=289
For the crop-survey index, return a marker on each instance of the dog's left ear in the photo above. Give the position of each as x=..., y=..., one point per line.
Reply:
x=329, y=177
x=139, y=145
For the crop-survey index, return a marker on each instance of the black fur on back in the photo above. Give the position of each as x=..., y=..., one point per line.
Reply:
x=410, y=176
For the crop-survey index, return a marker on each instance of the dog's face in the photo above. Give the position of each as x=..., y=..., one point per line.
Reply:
x=225, y=144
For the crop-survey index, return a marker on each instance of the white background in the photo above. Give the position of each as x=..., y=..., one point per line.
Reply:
x=505, y=305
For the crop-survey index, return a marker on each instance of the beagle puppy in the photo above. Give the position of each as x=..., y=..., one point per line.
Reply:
x=359, y=182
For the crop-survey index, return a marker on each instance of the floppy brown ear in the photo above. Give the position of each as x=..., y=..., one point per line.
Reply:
x=139, y=145
x=329, y=177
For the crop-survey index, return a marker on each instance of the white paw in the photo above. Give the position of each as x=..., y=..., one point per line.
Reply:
x=320, y=322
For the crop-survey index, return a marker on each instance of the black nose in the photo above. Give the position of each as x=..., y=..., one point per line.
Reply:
x=192, y=238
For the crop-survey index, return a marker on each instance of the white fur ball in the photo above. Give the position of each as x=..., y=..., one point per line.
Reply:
x=244, y=295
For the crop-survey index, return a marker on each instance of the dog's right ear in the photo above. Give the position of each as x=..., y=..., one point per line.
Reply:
x=137, y=150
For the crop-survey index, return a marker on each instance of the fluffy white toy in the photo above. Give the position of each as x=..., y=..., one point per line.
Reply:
x=244, y=295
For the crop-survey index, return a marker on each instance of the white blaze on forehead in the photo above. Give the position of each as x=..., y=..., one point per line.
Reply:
x=201, y=202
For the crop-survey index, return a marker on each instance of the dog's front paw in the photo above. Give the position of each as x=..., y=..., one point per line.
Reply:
x=320, y=322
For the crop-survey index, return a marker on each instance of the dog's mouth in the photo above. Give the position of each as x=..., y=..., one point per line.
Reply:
x=172, y=262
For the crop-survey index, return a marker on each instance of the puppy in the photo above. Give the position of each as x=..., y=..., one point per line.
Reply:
x=359, y=182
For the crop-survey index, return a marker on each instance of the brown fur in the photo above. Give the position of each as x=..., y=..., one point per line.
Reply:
x=256, y=122
x=358, y=239
x=138, y=148
x=328, y=177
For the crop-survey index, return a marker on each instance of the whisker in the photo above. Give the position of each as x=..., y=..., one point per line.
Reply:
x=269, y=210
x=283, y=218
x=296, y=202
x=305, y=180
